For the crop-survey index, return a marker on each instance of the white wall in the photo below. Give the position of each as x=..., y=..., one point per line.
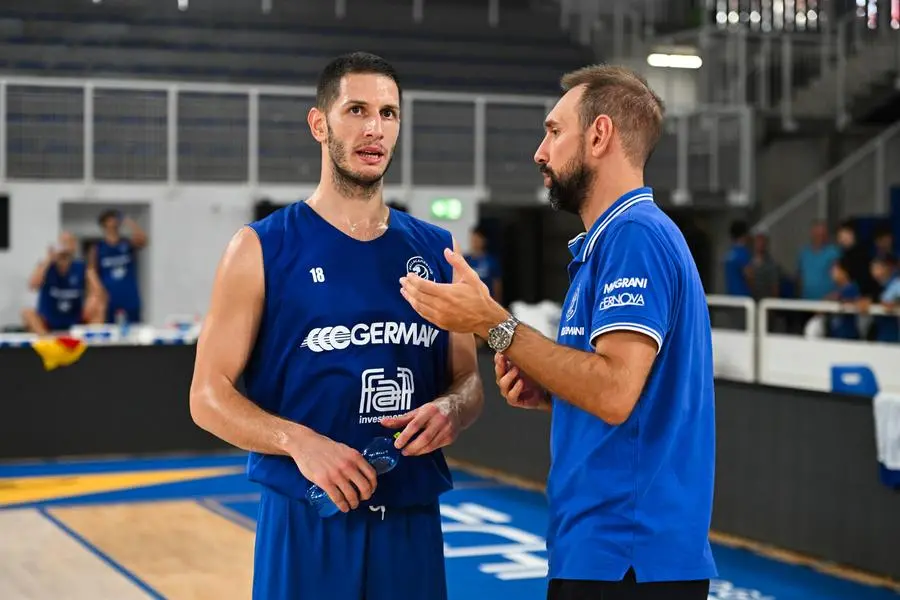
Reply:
x=189, y=227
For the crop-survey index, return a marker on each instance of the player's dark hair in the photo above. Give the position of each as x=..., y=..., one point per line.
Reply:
x=739, y=229
x=636, y=110
x=107, y=214
x=329, y=84
x=843, y=264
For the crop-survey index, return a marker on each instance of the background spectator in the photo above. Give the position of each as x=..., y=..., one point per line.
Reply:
x=114, y=259
x=737, y=262
x=843, y=326
x=886, y=273
x=765, y=275
x=69, y=293
x=857, y=258
x=485, y=263
x=814, y=264
x=884, y=241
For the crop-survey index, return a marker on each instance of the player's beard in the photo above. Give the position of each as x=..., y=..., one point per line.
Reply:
x=349, y=183
x=570, y=188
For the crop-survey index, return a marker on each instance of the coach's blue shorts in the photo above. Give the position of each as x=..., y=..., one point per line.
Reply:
x=366, y=554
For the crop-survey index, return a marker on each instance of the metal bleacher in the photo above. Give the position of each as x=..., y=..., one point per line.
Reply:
x=219, y=93
x=452, y=47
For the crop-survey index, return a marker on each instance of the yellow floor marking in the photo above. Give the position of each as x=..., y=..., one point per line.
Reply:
x=50, y=487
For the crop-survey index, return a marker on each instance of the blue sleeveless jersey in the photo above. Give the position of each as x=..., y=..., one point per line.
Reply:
x=61, y=297
x=338, y=347
x=118, y=273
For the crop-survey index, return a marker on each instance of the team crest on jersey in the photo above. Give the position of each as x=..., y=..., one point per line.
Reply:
x=417, y=265
x=573, y=305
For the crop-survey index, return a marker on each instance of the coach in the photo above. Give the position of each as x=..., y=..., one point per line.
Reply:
x=629, y=380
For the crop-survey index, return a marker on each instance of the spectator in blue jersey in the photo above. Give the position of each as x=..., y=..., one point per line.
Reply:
x=844, y=326
x=306, y=311
x=69, y=291
x=629, y=380
x=115, y=259
x=737, y=262
x=886, y=271
x=814, y=264
x=484, y=263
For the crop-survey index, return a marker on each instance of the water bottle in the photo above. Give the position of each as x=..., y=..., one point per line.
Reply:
x=380, y=453
x=122, y=323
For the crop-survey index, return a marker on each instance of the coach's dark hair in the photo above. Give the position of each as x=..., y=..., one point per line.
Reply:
x=636, y=110
x=329, y=83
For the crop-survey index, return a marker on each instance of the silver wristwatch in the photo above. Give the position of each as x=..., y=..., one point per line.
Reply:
x=500, y=337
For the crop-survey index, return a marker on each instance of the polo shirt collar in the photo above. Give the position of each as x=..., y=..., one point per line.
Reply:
x=583, y=244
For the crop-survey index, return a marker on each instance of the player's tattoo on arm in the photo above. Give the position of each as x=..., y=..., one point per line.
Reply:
x=464, y=400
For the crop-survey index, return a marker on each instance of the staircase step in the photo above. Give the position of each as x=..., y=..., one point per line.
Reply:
x=863, y=71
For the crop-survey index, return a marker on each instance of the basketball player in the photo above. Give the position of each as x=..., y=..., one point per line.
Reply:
x=306, y=304
x=69, y=292
x=629, y=379
x=114, y=260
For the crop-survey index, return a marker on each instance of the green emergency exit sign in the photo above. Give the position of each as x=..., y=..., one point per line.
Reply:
x=446, y=209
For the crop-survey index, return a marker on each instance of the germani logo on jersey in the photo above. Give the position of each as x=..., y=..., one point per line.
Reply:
x=418, y=266
x=326, y=339
x=385, y=395
x=623, y=299
x=572, y=330
x=625, y=282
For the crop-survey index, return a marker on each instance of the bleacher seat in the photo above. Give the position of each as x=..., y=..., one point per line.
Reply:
x=453, y=48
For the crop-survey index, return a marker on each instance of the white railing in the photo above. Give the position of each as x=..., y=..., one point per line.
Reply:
x=139, y=131
x=734, y=350
x=753, y=354
x=748, y=353
x=822, y=363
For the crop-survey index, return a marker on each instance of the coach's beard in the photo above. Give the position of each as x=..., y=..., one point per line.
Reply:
x=569, y=190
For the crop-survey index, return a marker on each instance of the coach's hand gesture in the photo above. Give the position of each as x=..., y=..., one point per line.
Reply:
x=341, y=471
x=464, y=306
x=518, y=389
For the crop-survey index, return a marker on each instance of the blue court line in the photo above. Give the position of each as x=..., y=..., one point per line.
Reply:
x=229, y=514
x=101, y=555
x=234, y=498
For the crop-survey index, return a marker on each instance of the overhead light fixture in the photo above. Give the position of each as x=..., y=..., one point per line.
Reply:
x=675, y=61
x=182, y=5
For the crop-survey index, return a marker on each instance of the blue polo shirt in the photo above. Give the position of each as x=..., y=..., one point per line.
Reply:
x=638, y=494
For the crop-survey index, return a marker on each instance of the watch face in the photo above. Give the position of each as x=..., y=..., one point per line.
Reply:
x=498, y=339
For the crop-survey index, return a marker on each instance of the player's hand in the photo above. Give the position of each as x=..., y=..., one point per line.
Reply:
x=436, y=423
x=338, y=469
x=517, y=388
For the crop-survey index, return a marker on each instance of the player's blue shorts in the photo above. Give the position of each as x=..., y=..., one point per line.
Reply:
x=366, y=554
